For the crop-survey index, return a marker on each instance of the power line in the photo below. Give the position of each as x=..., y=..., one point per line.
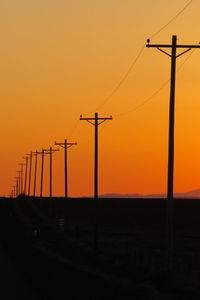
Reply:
x=122, y=79
x=132, y=64
x=138, y=56
x=171, y=20
x=148, y=99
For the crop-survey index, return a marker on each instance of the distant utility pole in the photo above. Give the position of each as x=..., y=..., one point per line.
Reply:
x=170, y=189
x=50, y=151
x=19, y=182
x=65, y=145
x=42, y=171
x=26, y=169
x=16, y=178
x=35, y=175
x=96, y=121
x=29, y=183
x=21, y=164
x=14, y=193
x=36, y=153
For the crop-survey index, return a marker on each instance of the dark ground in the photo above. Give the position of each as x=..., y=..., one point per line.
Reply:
x=28, y=273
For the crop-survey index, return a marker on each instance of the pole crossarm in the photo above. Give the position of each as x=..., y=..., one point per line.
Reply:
x=89, y=120
x=63, y=144
x=49, y=151
x=170, y=46
x=159, y=46
x=36, y=153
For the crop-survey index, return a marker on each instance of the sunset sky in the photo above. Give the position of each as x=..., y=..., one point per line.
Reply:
x=63, y=58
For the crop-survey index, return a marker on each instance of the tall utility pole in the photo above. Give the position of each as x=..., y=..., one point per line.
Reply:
x=96, y=121
x=170, y=185
x=65, y=145
x=26, y=169
x=50, y=151
x=29, y=183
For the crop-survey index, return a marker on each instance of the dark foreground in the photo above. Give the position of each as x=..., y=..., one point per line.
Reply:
x=27, y=272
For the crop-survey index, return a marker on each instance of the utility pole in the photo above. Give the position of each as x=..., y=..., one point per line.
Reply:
x=14, y=193
x=34, y=188
x=26, y=169
x=19, y=182
x=21, y=164
x=35, y=174
x=96, y=121
x=42, y=172
x=29, y=184
x=50, y=151
x=65, y=145
x=170, y=185
x=16, y=178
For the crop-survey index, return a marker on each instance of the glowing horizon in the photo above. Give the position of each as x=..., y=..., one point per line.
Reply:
x=60, y=60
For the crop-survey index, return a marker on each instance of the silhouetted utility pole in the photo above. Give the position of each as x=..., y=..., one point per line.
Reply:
x=30, y=168
x=16, y=178
x=21, y=187
x=50, y=151
x=170, y=188
x=96, y=121
x=36, y=153
x=65, y=145
x=42, y=171
x=34, y=188
x=14, y=191
x=26, y=169
x=19, y=182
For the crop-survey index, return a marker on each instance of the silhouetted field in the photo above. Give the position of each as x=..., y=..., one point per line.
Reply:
x=124, y=214
x=132, y=237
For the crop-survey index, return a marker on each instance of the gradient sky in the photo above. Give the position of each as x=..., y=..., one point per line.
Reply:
x=62, y=58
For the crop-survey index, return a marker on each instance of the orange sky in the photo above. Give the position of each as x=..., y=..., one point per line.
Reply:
x=60, y=59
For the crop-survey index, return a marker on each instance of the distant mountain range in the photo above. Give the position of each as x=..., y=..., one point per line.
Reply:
x=191, y=194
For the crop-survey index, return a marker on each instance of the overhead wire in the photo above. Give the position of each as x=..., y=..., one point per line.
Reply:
x=171, y=20
x=148, y=99
x=133, y=63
